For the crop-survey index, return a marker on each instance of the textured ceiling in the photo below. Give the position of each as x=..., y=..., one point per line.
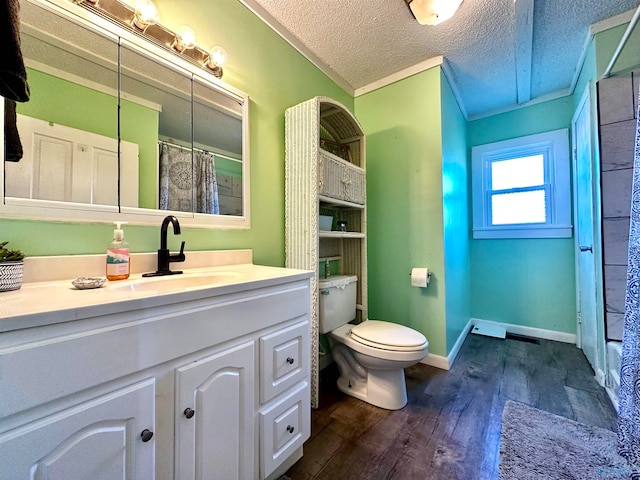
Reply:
x=364, y=41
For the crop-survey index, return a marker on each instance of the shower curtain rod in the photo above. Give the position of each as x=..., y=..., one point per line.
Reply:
x=623, y=41
x=196, y=149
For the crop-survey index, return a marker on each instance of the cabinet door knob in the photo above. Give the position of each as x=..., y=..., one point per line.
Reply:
x=146, y=435
x=290, y=428
x=290, y=360
x=189, y=412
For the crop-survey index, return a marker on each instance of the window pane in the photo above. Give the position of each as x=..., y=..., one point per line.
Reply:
x=517, y=172
x=520, y=207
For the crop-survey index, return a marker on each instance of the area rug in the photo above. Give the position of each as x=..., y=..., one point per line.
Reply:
x=537, y=445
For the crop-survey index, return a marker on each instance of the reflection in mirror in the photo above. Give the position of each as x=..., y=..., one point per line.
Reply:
x=105, y=103
x=217, y=151
x=68, y=129
x=162, y=109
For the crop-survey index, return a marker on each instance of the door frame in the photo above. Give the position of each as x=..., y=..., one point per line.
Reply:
x=600, y=360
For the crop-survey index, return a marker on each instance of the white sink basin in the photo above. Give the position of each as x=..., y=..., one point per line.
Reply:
x=170, y=283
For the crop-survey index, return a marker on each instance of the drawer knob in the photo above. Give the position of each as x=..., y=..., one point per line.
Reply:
x=290, y=360
x=290, y=428
x=146, y=435
x=189, y=412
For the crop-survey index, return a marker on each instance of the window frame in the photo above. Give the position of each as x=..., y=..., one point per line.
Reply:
x=554, y=146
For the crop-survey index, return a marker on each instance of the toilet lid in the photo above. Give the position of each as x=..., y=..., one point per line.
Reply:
x=388, y=336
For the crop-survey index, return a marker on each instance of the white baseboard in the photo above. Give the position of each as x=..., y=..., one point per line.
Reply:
x=437, y=361
x=533, y=332
x=445, y=363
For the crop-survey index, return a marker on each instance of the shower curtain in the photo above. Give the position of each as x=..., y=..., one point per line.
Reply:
x=187, y=177
x=629, y=392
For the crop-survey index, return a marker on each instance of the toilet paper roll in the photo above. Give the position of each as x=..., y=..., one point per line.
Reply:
x=419, y=277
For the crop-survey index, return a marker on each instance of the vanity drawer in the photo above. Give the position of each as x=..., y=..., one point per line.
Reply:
x=284, y=359
x=284, y=427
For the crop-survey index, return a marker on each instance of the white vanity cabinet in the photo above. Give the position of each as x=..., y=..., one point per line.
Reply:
x=200, y=383
x=107, y=438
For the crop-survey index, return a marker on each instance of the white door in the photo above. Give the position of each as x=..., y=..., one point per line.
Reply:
x=584, y=230
x=215, y=416
x=66, y=164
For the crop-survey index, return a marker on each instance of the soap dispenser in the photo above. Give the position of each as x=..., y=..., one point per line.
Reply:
x=118, y=255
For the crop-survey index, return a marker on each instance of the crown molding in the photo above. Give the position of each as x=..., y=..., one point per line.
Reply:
x=611, y=22
x=401, y=75
x=288, y=37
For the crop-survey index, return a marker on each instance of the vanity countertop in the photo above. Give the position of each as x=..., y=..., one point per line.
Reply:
x=49, y=302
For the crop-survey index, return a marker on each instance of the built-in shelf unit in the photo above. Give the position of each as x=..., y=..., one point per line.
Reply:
x=325, y=174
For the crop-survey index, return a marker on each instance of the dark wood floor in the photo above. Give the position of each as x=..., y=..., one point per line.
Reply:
x=450, y=429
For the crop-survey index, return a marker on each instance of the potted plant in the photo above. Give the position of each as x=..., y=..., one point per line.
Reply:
x=11, y=268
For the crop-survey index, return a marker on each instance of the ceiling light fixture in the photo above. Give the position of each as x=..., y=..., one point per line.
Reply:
x=141, y=17
x=432, y=12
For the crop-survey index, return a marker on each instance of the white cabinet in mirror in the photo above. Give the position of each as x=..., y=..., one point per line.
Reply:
x=120, y=128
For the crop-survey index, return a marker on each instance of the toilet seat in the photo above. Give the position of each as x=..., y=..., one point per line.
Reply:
x=388, y=336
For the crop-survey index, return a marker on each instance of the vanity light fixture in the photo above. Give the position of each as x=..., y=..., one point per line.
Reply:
x=142, y=17
x=217, y=59
x=185, y=38
x=432, y=12
x=145, y=14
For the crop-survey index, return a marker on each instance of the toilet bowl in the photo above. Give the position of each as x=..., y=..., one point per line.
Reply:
x=372, y=355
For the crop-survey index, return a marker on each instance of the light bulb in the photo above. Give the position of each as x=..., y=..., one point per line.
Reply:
x=217, y=58
x=145, y=14
x=185, y=38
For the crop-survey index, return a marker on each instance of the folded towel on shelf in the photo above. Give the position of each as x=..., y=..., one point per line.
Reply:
x=12, y=144
x=13, y=76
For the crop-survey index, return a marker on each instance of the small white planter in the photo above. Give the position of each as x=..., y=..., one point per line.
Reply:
x=11, y=275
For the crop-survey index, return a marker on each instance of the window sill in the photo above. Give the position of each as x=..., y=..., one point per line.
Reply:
x=523, y=231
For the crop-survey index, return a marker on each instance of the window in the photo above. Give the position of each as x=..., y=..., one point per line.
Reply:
x=521, y=187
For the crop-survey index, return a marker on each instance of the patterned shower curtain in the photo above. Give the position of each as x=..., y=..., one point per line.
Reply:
x=178, y=190
x=629, y=392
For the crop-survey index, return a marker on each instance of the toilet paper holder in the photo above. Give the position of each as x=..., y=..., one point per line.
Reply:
x=420, y=277
x=428, y=274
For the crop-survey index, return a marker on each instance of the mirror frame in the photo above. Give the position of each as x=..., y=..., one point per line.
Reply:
x=32, y=209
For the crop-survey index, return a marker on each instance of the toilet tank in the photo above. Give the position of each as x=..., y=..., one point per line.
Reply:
x=337, y=298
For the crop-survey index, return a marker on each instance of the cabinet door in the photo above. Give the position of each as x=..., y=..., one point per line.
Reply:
x=215, y=438
x=100, y=439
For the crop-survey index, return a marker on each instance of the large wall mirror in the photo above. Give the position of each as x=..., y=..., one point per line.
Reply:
x=118, y=127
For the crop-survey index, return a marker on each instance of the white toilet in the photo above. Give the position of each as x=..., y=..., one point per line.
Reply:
x=372, y=355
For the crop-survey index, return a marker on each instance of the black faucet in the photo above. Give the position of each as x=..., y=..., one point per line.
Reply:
x=164, y=256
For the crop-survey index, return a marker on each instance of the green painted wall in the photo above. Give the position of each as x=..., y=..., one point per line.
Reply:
x=455, y=205
x=91, y=110
x=528, y=282
x=275, y=76
x=404, y=203
x=139, y=125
